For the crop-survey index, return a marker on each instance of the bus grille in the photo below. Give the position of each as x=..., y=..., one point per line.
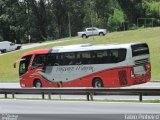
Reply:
x=122, y=77
x=142, y=61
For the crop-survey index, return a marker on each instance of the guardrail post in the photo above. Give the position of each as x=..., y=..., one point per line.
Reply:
x=13, y=96
x=49, y=96
x=43, y=97
x=91, y=96
x=140, y=97
x=87, y=96
x=5, y=95
x=60, y=96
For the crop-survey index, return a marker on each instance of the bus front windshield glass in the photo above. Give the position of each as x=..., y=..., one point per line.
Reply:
x=23, y=67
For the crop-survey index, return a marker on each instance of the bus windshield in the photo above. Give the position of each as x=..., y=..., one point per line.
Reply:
x=23, y=66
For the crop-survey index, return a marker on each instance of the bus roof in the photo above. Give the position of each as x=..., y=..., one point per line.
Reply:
x=89, y=47
x=80, y=47
x=39, y=51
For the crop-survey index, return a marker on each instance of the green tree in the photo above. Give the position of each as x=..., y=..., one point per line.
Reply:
x=11, y=18
x=132, y=9
x=115, y=21
x=51, y=19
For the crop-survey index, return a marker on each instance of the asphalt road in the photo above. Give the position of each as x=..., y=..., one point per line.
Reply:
x=76, y=107
x=78, y=110
x=62, y=110
x=145, y=85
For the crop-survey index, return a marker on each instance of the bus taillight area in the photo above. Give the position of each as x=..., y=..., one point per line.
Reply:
x=148, y=67
x=141, y=73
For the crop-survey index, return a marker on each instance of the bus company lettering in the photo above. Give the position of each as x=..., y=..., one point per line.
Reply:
x=84, y=68
x=64, y=69
x=75, y=68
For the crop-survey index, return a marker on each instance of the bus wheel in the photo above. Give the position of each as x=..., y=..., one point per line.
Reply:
x=97, y=82
x=37, y=83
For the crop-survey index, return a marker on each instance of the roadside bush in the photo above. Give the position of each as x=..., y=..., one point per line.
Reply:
x=1, y=38
x=115, y=21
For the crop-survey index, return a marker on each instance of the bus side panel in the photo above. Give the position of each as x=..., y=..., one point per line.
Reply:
x=116, y=77
x=111, y=78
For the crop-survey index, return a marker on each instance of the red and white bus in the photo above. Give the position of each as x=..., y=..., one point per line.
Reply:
x=86, y=65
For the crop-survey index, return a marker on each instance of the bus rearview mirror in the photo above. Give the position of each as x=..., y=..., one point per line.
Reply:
x=14, y=65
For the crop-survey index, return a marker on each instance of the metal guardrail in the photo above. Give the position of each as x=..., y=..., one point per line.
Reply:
x=89, y=92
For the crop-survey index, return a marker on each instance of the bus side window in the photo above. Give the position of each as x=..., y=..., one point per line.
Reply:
x=105, y=58
x=69, y=58
x=121, y=55
x=94, y=59
x=39, y=61
x=99, y=57
x=86, y=57
x=66, y=59
x=58, y=59
x=55, y=60
x=51, y=59
x=112, y=56
x=78, y=58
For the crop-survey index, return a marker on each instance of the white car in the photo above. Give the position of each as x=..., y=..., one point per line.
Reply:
x=92, y=31
x=7, y=46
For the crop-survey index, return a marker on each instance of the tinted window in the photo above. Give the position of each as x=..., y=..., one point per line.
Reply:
x=55, y=59
x=24, y=64
x=69, y=58
x=89, y=57
x=86, y=58
x=78, y=58
x=140, y=49
x=39, y=61
x=109, y=56
x=50, y=60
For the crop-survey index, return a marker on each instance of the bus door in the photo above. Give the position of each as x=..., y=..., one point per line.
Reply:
x=24, y=67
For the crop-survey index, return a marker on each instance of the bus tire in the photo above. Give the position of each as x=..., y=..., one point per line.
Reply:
x=37, y=83
x=97, y=82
